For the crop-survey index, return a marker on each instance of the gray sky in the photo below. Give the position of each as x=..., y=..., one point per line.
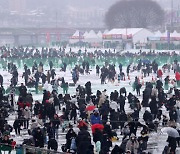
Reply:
x=65, y=12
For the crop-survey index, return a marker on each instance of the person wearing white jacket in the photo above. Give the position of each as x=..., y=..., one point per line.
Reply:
x=27, y=116
x=114, y=106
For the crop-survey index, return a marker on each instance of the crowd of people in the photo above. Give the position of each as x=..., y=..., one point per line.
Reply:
x=90, y=121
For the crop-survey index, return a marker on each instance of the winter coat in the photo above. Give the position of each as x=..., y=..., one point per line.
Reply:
x=52, y=144
x=159, y=73
x=177, y=76
x=147, y=117
x=97, y=136
x=83, y=141
x=153, y=106
x=39, y=139
x=69, y=136
x=154, y=92
x=102, y=99
x=51, y=132
x=95, y=119
x=114, y=106
x=133, y=147
x=173, y=115
x=17, y=124
x=27, y=113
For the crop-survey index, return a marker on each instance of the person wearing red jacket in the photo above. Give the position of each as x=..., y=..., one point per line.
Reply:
x=177, y=76
x=159, y=74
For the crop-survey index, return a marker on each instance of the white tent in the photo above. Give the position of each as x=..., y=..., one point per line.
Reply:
x=175, y=34
x=106, y=31
x=92, y=37
x=158, y=33
x=76, y=37
x=99, y=34
x=138, y=35
x=124, y=31
x=85, y=34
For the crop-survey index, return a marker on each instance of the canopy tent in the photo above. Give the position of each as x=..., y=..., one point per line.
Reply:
x=92, y=38
x=99, y=34
x=76, y=37
x=121, y=33
x=106, y=31
x=158, y=36
x=85, y=34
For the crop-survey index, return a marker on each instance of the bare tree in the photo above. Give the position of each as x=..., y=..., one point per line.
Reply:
x=134, y=14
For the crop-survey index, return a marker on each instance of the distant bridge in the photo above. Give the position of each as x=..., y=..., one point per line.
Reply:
x=37, y=36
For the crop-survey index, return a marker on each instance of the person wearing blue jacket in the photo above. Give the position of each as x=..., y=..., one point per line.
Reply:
x=95, y=118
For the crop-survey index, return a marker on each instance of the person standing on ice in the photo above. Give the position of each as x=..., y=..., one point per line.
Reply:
x=50, y=65
x=177, y=76
x=97, y=70
x=36, y=76
x=137, y=86
x=128, y=70
x=120, y=67
x=132, y=144
x=40, y=68
x=159, y=74
x=1, y=80
x=166, y=83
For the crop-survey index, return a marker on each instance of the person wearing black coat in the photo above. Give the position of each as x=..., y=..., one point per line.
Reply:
x=88, y=88
x=171, y=102
x=52, y=144
x=97, y=70
x=97, y=136
x=37, y=107
x=173, y=115
x=26, y=77
x=43, y=77
x=51, y=65
x=17, y=126
x=153, y=105
x=147, y=117
x=1, y=80
x=106, y=143
x=51, y=131
x=38, y=138
x=121, y=102
x=114, y=119
x=146, y=96
x=22, y=90
x=161, y=97
x=83, y=141
x=172, y=144
x=116, y=150
x=122, y=119
x=133, y=125
x=69, y=136
x=73, y=114
x=53, y=74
